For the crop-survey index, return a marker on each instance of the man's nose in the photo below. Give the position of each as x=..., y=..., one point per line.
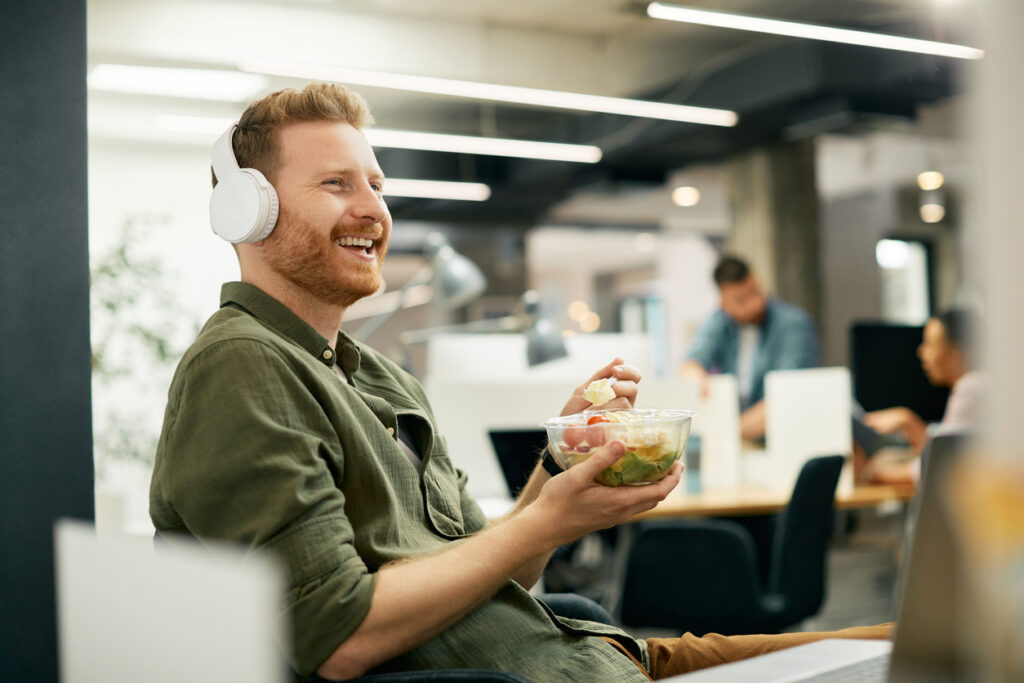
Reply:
x=369, y=206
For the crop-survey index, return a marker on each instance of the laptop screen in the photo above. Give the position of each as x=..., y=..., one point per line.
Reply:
x=927, y=640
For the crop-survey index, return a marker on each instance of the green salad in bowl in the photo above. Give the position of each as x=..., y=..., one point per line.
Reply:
x=654, y=439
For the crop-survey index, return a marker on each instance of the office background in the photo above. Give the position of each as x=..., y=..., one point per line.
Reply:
x=821, y=166
x=847, y=169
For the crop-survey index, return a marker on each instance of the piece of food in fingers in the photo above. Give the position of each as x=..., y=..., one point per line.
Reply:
x=654, y=439
x=600, y=391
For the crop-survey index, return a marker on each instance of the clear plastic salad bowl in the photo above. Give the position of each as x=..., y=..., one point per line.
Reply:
x=654, y=440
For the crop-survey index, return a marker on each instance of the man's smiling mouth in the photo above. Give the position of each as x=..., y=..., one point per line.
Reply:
x=362, y=244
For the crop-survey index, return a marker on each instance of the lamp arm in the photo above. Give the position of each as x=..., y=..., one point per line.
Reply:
x=508, y=323
x=374, y=323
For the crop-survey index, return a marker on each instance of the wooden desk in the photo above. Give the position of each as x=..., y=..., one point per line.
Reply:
x=751, y=500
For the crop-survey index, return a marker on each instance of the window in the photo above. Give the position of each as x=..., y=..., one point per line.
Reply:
x=905, y=266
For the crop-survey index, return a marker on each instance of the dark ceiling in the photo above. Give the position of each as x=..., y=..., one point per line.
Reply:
x=793, y=90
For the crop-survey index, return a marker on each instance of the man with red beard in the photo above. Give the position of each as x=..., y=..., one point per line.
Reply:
x=285, y=435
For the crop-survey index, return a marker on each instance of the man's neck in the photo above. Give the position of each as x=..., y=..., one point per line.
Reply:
x=322, y=317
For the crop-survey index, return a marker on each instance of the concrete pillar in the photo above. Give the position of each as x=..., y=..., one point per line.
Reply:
x=775, y=206
x=46, y=467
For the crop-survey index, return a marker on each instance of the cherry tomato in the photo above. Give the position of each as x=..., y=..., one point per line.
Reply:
x=572, y=436
x=597, y=418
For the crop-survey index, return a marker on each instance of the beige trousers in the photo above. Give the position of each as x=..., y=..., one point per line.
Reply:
x=673, y=656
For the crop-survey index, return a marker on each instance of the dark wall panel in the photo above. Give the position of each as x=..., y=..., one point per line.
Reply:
x=46, y=468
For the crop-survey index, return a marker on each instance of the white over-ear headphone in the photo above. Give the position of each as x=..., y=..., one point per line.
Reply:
x=243, y=206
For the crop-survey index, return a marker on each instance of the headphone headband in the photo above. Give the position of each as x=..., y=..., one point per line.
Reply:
x=222, y=155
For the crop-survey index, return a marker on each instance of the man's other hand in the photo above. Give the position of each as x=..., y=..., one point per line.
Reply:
x=626, y=379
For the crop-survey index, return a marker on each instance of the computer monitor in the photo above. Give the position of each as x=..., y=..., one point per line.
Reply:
x=887, y=372
x=518, y=451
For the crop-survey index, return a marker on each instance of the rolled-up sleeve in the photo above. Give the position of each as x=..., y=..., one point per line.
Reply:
x=249, y=455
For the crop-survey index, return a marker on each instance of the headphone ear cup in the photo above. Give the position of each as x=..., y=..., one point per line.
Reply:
x=243, y=207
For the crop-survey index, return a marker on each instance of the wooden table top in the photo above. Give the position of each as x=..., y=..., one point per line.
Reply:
x=754, y=500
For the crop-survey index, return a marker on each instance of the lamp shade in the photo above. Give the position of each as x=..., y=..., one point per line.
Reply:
x=456, y=279
x=543, y=341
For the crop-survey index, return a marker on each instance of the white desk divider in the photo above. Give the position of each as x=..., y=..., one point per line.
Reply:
x=808, y=415
x=466, y=410
x=502, y=357
x=720, y=466
x=128, y=611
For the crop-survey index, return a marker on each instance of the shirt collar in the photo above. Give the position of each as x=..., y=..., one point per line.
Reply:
x=768, y=307
x=276, y=315
x=763, y=325
x=349, y=354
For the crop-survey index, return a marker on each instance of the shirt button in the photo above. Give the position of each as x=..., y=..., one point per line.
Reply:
x=328, y=354
x=391, y=431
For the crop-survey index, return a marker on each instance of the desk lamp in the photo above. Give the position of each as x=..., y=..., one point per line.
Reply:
x=454, y=279
x=543, y=342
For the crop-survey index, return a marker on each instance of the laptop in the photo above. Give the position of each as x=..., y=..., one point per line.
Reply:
x=127, y=611
x=924, y=647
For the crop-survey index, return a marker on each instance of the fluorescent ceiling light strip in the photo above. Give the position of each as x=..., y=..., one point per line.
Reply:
x=658, y=10
x=503, y=147
x=194, y=124
x=436, y=189
x=432, y=142
x=203, y=84
x=496, y=93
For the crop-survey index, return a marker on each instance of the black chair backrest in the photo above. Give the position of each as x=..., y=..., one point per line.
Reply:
x=517, y=451
x=942, y=449
x=933, y=564
x=700, y=575
x=804, y=528
x=937, y=458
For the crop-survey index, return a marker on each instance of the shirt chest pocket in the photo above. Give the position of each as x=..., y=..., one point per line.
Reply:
x=442, y=497
x=439, y=482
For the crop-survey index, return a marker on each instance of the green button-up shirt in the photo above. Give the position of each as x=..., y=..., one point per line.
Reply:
x=265, y=444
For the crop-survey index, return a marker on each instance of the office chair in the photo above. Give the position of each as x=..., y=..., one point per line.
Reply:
x=937, y=459
x=944, y=448
x=702, y=576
